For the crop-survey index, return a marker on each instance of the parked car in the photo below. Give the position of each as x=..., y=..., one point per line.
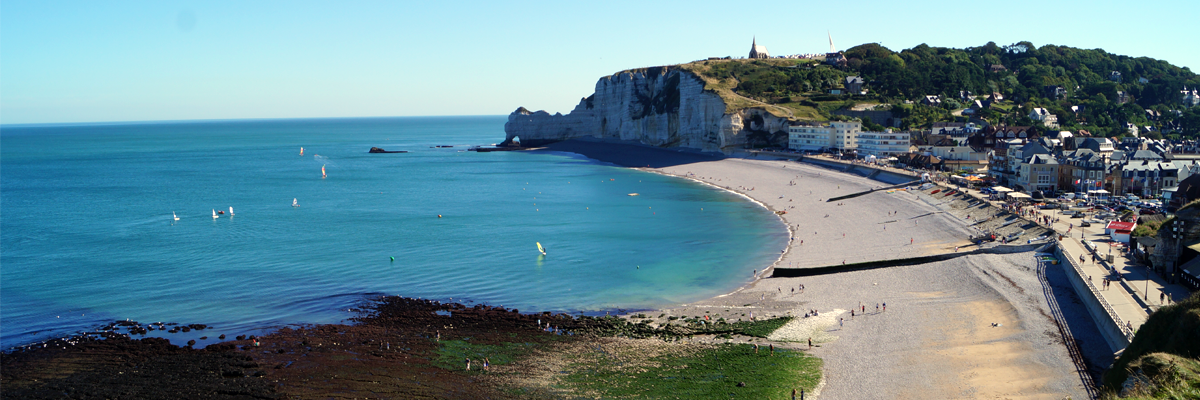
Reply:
x=1147, y=211
x=1085, y=224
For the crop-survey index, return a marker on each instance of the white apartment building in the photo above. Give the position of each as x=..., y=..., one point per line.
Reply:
x=819, y=136
x=883, y=144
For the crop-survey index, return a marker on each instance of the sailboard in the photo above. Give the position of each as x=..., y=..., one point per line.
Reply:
x=294, y=203
x=230, y=211
x=174, y=216
x=540, y=248
x=215, y=214
x=322, y=171
x=301, y=151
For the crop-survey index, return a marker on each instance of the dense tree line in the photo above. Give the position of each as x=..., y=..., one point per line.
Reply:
x=1028, y=75
x=1091, y=98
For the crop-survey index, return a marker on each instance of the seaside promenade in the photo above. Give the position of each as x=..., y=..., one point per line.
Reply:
x=1134, y=290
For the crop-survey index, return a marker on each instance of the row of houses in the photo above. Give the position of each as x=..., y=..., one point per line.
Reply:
x=1017, y=157
x=1140, y=166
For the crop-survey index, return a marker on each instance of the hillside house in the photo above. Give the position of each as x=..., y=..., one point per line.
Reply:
x=1055, y=91
x=854, y=84
x=1047, y=118
x=1191, y=98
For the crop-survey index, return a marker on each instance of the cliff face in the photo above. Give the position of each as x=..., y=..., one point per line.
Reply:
x=660, y=106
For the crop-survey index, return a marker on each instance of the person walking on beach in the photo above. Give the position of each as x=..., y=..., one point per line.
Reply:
x=810, y=343
x=884, y=307
x=468, y=364
x=486, y=364
x=841, y=323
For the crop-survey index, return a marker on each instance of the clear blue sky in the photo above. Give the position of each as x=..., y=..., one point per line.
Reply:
x=89, y=61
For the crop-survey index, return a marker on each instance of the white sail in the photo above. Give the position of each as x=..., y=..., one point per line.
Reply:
x=230, y=211
x=174, y=216
x=214, y=213
x=294, y=203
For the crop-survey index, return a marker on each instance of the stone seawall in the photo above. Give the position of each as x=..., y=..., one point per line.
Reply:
x=1110, y=325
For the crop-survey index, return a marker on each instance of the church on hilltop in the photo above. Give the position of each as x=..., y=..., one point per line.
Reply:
x=757, y=51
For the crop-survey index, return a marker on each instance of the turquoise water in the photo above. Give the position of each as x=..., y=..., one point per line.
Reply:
x=86, y=234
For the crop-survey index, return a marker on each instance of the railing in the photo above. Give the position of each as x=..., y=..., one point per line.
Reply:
x=1125, y=328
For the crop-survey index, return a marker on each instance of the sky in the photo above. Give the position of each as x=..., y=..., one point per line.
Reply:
x=88, y=61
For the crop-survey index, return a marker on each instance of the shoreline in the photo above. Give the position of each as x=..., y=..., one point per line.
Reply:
x=875, y=224
x=791, y=233
x=574, y=147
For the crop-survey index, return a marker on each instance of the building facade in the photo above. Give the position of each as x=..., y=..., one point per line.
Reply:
x=842, y=135
x=884, y=144
x=1039, y=172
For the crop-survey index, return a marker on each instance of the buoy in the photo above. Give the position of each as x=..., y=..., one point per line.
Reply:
x=439, y=215
x=393, y=258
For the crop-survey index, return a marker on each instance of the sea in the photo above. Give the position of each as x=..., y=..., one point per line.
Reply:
x=88, y=232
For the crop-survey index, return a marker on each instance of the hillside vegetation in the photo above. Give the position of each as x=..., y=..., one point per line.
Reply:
x=899, y=80
x=1161, y=362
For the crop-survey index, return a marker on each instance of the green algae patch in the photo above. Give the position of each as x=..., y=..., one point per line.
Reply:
x=453, y=354
x=692, y=371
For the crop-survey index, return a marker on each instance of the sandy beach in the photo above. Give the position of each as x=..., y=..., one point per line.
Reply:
x=936, y=338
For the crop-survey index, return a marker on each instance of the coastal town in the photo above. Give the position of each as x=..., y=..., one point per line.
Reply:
x=914, y=243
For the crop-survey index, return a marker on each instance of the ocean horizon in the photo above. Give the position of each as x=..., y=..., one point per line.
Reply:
x=88, y=234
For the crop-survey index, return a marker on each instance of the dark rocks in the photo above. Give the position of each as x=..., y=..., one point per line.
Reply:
x=222, y=337
x=379, y=150
x=119, y=367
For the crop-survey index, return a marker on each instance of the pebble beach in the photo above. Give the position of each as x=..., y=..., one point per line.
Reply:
x=974, y=326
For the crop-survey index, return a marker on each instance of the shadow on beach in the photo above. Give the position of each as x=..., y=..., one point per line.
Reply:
x=631, y=154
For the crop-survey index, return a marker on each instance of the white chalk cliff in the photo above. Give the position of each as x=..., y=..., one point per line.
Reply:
x=659, y=106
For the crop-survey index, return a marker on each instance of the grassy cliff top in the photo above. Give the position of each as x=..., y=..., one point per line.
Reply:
x=711, y=72
x=717, y=78
x=1162, y=357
